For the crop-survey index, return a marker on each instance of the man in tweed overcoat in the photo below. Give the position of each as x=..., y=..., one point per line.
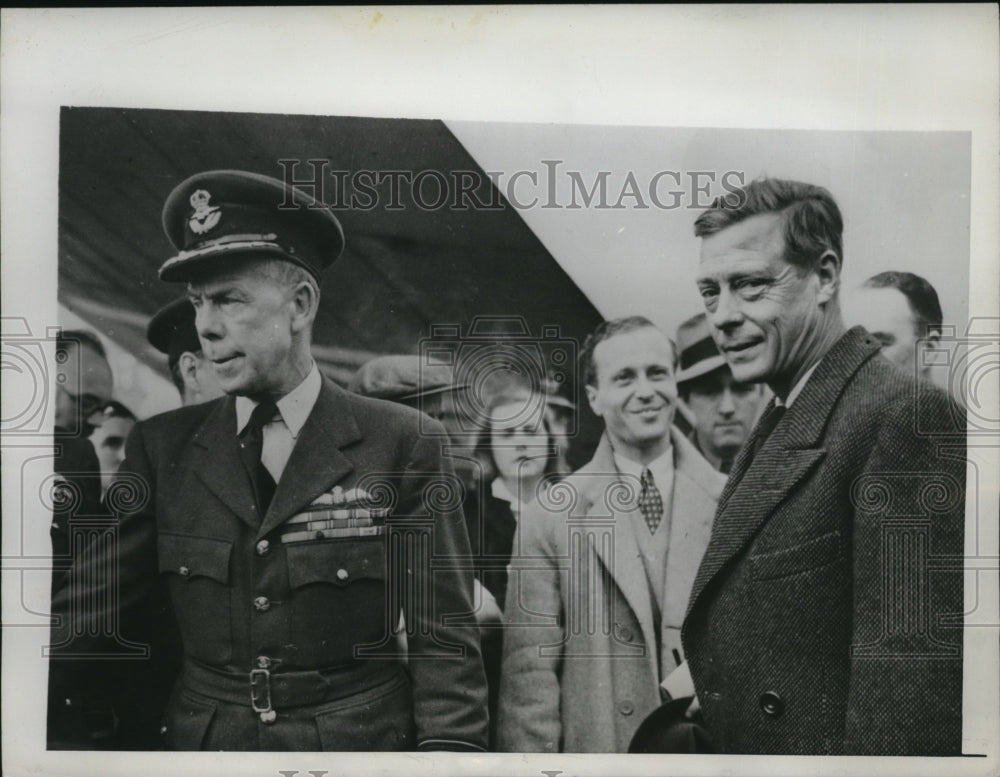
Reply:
x=826, y=615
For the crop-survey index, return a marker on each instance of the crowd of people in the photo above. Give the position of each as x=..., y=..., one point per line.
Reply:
x=408, y=562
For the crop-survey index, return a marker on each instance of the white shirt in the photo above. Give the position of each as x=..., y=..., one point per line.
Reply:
x=281, y=433
x=796, y=389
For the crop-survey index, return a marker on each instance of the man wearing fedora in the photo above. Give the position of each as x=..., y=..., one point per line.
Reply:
x=826, y=616
x=603, y=562
x=723, y=409
x=293, y=522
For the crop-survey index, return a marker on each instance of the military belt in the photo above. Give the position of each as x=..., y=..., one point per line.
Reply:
x=267, y=690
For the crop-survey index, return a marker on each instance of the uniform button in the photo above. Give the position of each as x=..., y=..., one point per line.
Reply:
x=263, y=662
x=184, y=571
x=263, y=548
x=772, y=704
x=163, y=729
x=268, y=716
x=342, y=574
x=625, y=634
x=261, y=604
x=626, y=708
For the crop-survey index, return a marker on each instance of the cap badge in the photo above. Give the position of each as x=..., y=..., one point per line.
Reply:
x=204, y=217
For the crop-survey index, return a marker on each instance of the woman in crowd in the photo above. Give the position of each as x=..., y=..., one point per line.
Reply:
x=520, y=456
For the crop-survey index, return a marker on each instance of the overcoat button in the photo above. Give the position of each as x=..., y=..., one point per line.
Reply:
x=626, y=708
x=772, y=704
x=342, y=574
x=263, y=662
x=263, y=547
x=184, y=571
x=261, y=604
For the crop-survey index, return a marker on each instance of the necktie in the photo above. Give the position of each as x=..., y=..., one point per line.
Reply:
x=767, y=423
x=251, y=447
x=650, y=501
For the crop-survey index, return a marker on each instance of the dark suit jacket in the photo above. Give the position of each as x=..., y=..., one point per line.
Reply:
x=826, y=615
x=330, y=603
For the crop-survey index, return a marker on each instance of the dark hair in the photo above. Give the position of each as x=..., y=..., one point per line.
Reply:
x=115, y=409
x=606, y=330
x=812, y=220
x=67, y=338
x=919, y=293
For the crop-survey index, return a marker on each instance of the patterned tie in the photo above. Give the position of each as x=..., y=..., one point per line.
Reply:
x=650, y=501
x=251, y=447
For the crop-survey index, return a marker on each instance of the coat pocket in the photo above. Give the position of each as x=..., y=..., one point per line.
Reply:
x=812, y=554
x=377, y=719
x=338, y=599
x=197, y=573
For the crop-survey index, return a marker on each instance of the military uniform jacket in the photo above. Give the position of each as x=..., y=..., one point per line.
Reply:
x=244, y=599
x=826, y=615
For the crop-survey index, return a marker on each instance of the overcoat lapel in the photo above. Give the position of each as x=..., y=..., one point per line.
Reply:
x=692, y=512
x=622, y=559
x=216, y=461
x=317, y=462
x=758, y=484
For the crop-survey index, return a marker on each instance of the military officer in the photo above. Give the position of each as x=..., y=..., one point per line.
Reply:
x=294, y=522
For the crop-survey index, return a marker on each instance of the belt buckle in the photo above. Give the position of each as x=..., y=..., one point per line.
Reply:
x=262, y=707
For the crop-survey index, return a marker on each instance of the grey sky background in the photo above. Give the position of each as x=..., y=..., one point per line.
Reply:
x=904, y=197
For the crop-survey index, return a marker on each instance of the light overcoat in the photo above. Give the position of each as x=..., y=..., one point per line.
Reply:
x=580, y=669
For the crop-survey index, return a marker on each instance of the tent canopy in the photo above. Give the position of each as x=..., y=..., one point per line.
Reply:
x=411, y=262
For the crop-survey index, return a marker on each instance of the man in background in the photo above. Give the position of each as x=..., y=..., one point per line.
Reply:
x=109, y=438
x=901, y=310
x=171, y=331
x=724, y=409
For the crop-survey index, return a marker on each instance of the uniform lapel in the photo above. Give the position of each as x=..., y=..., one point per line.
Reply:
x=216, y=461
x=621, y=557
x=317, y=462
x=758, y=484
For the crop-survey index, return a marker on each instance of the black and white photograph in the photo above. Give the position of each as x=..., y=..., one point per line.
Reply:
x=348, y=435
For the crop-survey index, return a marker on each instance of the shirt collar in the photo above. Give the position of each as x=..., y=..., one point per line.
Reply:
x=294, y=407
x=796, y=389
x=662, y=467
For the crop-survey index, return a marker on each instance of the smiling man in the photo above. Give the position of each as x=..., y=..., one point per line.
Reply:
x=603, y=563
x=288, y=577
x=826, y=615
